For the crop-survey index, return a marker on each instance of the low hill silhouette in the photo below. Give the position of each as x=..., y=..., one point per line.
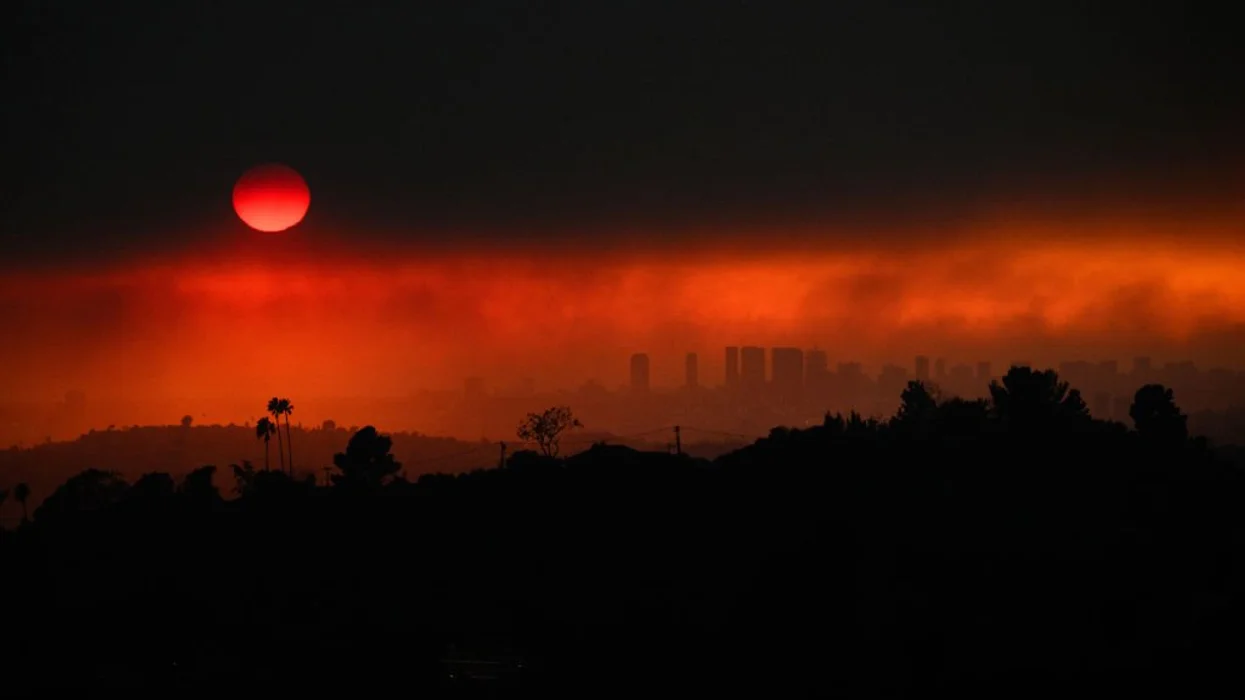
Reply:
x=1010, y=546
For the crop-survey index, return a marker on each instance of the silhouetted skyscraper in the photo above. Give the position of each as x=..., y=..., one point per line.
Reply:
x=692, y=371
x=752, y=369
x=788, y=373
x=892, y=379
x=1142, y=366
x=922, y=368
x=1102, y=406
x=816, y=370
x=732, y=367
x=1121, y=406
x=639, y=373
x=984, y=372
x=1077, y=373
x=473, y=389
x=960, y=377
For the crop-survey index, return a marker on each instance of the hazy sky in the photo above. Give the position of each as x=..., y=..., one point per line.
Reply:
x=542, y=188
x=130, y=121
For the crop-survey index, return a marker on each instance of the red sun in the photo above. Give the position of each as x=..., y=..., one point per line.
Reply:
x=271, y=197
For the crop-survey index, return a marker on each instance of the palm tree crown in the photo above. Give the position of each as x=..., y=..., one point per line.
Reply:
x=274, y=409
x=284, y=408
x=263, y=431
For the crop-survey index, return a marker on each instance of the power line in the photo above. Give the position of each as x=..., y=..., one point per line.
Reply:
x=573, y=440
x=723, y=432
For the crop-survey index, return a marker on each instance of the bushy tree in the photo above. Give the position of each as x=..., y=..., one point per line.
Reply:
x=367, y=461
x=1033, y=400
x=917, y=410
x=546, y=428
x=1156, y=415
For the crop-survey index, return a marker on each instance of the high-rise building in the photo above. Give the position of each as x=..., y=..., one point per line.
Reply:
x=1077, y=373
x=732, y=367
x=473, y=389
x=692, y=371
x=752, y=369
x=1142, y=366
x=922, y=368
x=1122, y=406
x=639, y=373
x=984, y=372
x=788, y=373
x=892, y=380
x=961, y=376
x=1102, y=406
x=816, y=371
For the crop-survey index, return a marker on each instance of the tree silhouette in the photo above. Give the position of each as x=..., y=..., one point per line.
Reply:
x=187, y=420
x=198, y=484
x=1030, y=400
x=546, y=428
x=84, y=492
x=962, y=419
x=917, y=410
x=367, y=462
x=21, y=493
x=1156, y=416
x=263, y=431
x=243, y=477
x=151, y=487
x=285, y=408
x=274, y=410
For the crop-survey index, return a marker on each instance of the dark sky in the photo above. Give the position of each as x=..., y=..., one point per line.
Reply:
x=125, y=122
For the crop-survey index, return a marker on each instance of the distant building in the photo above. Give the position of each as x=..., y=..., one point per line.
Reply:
x=851, y=383
x=984, y=372
x=892, y=380
x=639, y=373
x=692, y=371
x=752, y=369
x=922, y=368
x=788, y=374
x=940, y=370
x=1078, y=374
x=1122, y=406
x=732, y=367
x=961, y=376
x=816, y=372
x=473, y=389
x=1101, y=408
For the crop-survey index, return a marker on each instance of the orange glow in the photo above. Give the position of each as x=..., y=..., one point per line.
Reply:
x=321, y=324
x=271, y=198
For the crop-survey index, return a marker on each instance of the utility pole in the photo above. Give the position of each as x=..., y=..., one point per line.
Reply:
x=678, y=442
x=501, y=464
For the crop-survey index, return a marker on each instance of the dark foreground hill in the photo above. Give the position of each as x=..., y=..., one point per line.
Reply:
x=1016, y=548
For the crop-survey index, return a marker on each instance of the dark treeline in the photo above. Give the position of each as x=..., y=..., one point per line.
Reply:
x=177, y=450
x=1010, y=546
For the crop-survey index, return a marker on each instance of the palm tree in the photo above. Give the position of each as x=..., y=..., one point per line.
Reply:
x=263, y=431
x=285, y=407
x=274, y=409
x=21, y=492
